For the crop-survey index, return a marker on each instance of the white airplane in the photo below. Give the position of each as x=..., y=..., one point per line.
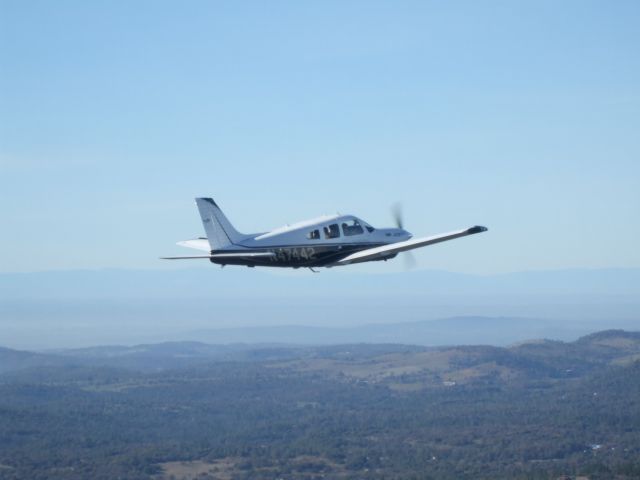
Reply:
x=327, y=241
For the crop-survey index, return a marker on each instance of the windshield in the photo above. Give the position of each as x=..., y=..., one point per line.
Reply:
x=352, y=227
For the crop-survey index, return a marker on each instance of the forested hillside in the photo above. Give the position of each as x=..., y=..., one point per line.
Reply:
x=535, y=410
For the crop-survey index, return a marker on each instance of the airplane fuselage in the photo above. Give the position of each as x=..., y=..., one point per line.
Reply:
x=314, y=243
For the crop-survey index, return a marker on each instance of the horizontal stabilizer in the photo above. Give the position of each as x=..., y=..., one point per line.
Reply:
x=242, y=255
x=224, y=255
x=186, y=258
x=196, y=243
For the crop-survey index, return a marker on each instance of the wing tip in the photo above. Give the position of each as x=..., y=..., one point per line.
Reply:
x=477, y=229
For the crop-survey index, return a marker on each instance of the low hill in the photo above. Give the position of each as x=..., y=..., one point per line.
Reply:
x=11, y=360
x=404, y=366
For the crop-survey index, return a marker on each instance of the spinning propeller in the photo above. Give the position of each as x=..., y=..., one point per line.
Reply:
x=398, y=216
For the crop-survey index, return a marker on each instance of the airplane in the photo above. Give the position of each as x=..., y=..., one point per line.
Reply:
x=327, y=241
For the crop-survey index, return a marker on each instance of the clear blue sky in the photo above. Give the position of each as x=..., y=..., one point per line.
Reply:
x=522, y=116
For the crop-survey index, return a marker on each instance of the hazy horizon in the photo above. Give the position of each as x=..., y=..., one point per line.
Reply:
x=93, y=307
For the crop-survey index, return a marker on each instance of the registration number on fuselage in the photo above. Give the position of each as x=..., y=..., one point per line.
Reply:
x=293, y=254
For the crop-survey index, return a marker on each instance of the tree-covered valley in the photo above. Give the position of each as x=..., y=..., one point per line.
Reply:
x=540, y=409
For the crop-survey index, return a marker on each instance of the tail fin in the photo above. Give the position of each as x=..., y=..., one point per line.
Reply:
x=220, y=232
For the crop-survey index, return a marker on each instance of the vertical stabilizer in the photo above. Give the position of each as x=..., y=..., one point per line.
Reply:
x=220, y=232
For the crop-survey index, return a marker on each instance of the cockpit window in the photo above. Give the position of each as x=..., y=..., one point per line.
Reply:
x=351, y=227
x=314, y=235
x=331, y=231
x=370, y=229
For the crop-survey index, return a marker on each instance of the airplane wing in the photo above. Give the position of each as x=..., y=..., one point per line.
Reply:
x=224, y=255
x=393, y=248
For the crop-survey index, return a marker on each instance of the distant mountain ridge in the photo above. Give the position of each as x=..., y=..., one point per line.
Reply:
x=600, y=348
x=78, y=308
x=462, y=330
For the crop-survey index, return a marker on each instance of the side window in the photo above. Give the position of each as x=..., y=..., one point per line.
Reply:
x=351, y=227
x=314, y=235
x=332, y=231
x=370, y=229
